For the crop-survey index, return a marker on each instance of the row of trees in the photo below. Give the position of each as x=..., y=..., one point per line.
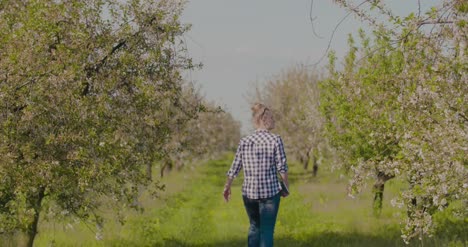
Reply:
x=293, y=95
x=211, y=133
x=91, y=98
x=395, y=107
x=399, y=108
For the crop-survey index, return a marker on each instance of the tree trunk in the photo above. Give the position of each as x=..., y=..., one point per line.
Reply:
x=179, y=165
x=378, y=190
x=162, y=170
x=32, y=228
x=149, y=171
x=315, y=166
x=304, y=159
x=167, y=166
x=136, y=203
x=379, y=187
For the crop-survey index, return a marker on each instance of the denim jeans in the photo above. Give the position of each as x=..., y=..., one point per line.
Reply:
x=262, y=215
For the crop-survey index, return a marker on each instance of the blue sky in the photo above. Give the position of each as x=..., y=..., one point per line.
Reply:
x=241, y=42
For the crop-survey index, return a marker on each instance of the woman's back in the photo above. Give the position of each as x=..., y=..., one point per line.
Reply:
x=261, y=155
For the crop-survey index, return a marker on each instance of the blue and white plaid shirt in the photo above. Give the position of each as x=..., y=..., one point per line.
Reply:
x=262, y=155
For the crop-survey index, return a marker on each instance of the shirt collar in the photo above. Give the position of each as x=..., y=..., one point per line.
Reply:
x=261, y=130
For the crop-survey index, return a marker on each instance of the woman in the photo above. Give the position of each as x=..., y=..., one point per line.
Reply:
x=262, y=156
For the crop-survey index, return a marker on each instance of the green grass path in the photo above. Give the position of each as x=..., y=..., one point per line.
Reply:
x=193, y=213
x=198, y=216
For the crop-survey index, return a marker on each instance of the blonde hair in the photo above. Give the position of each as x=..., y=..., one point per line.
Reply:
x=262, y=116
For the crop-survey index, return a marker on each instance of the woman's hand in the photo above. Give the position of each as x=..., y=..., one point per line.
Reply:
x=227, y=193
x=227, y=189
x=285, y=192
x=284, y=177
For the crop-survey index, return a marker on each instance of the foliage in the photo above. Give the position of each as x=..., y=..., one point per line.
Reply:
x=215, y=132
x=401, y=109
x=294, y=98
x=210, y=134
x=361, y=122
x=90, y=93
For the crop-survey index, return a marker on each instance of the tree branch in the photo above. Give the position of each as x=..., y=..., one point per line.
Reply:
x=334, y=31
x=97, y=67
x=312, y=19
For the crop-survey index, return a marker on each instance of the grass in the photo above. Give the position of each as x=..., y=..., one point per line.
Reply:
x=192, y=213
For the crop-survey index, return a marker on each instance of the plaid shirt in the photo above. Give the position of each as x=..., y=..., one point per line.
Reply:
x=261, y=154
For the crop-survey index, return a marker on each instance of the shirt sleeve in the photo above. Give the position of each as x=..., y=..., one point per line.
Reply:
x=237, y=163
x=281, y=163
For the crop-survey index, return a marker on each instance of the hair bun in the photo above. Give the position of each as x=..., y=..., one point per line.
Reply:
x=257, y=107
x=262, y=116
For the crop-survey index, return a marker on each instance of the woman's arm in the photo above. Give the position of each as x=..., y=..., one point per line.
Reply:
x=227, y=189
x=232, y=173
x=284, y=177
x=281, y=164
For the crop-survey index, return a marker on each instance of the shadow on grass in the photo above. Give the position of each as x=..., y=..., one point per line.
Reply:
x=329, y=240
x=303, y=175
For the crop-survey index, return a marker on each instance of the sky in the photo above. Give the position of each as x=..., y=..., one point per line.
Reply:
x=241, y=42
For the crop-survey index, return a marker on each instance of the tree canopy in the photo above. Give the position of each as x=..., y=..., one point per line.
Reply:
x=90, y=92
x=399, y=107
x=293, y=95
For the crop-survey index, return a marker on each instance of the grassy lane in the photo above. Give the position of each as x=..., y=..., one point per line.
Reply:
x=318, y=213
x=192, y=213
x=196, y=217
x=309, y=217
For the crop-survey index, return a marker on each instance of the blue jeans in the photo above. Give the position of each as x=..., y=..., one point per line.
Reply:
x=262, y=215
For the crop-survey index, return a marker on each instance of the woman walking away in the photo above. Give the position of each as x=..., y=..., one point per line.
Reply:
x=262, y=156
